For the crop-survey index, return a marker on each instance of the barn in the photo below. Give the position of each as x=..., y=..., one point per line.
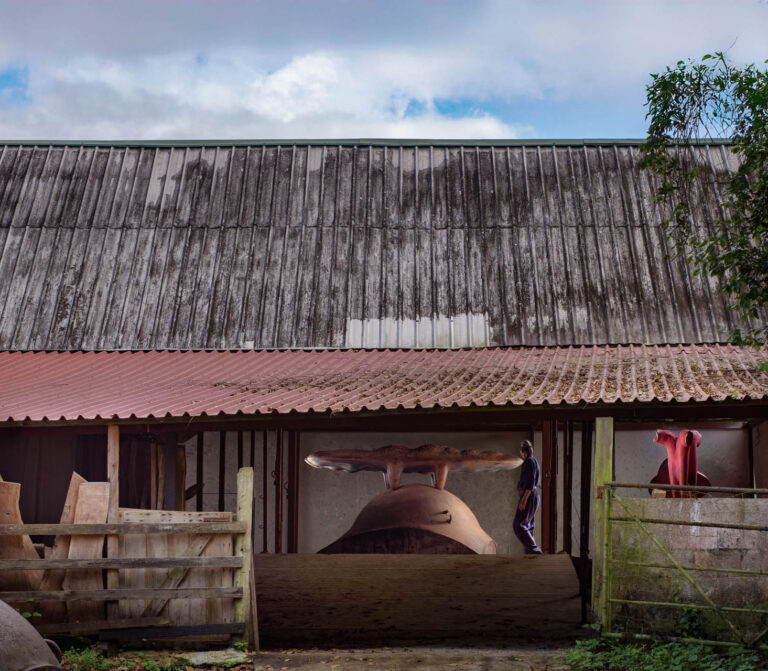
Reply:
x=188, y=321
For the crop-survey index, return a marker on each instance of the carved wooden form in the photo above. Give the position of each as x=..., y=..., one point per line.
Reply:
x=394, y=460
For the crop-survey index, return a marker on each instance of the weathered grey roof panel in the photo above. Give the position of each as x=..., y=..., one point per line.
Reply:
x=141, y=246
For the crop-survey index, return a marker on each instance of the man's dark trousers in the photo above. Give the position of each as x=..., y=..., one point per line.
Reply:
x=524, y=523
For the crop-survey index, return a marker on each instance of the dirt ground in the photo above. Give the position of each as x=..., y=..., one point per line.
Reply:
x=521, y=657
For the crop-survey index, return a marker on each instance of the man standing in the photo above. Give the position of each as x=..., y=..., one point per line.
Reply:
x=527, y=489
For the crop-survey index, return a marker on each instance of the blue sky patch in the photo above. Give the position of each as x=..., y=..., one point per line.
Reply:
x=14, y=85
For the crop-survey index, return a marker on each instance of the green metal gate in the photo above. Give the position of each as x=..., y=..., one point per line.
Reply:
x=685, y=568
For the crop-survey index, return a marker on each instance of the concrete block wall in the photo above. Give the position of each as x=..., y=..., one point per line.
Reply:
x=691, y=546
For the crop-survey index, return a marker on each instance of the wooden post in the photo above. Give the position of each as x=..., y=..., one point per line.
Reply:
x=113, y=475
x=603, y=473
x=199, y=472
x=245, y=607
x=549, y=487
x=160, y=498
x=222, y=468
x=181, y=477
x=585, y=505
x=568, y=489
x=153, y=475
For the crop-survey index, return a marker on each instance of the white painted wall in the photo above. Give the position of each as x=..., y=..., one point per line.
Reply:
x=330, y=501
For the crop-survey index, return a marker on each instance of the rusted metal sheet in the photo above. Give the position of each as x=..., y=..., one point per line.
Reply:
x=92, y=385
x=348, y=245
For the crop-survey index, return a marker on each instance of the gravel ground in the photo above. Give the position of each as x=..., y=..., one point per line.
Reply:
x=525, y=657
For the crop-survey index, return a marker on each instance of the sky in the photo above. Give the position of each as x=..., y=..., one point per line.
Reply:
x=296, y=69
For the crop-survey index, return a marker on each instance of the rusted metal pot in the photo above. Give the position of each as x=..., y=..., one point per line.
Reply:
x=21, y=647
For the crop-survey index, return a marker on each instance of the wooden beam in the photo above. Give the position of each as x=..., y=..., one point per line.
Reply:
x=549, y=487
x=122, y=528
x=199, y=472
x=124, y=594
x=181, y=477
x=222, y=468
x=603, y=473
x=153, y=475
x=279, y=493
x=124, y=562
x=242, y=607
x=113, y=475
x=586, y=504
x=568, y=489
x=264, y=486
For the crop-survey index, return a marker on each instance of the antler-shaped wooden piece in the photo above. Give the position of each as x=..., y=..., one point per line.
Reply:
x=394, y=460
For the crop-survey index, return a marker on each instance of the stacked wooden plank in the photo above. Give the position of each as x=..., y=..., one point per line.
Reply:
x=177, y=573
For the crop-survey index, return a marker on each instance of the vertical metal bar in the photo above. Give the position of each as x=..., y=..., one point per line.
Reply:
x=239, y=450
x=253, y=449
x=222, y=467
x=264, y=485
x=279, y=492
x=199, y=473
x=568, y=489
x=586, y=486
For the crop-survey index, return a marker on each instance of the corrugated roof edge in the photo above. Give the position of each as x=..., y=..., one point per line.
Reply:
x=376, y=349
x=362, y=142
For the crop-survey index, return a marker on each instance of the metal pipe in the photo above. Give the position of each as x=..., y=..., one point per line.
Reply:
x=679, y=639
x=689, y=523
x=693, y=488
x=737, y=571
x=691, y=606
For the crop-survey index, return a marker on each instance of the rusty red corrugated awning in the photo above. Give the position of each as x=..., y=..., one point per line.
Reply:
x=52, y=386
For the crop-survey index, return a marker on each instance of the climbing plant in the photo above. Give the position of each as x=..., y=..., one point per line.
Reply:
x=702, y=100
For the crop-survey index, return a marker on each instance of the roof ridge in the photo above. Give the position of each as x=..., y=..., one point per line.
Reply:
x=355, y=142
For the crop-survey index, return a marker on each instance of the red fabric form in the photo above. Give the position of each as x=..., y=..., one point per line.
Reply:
x=682, y=461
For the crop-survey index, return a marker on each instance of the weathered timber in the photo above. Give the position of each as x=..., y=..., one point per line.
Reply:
x=20, y=547
x=113, y=475
x=399, y=216
x=603, y=473
x=121, y=562
x=68, y=595
x=54, y=579
x=197, y=631
x=92, y=507
x=242, y=611
x=84, y=628
x=123, y=528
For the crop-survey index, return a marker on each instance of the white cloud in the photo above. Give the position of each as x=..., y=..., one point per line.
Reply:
x=299, y=68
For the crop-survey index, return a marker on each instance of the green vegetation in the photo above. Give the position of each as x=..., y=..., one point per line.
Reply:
x=714, y=98
x=600, y=654
x=90, y=659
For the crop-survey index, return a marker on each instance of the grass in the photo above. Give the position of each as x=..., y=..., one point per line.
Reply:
x=599, y=654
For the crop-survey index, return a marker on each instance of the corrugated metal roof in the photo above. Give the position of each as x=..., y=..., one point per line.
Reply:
x=119, y=385
x=346, y=245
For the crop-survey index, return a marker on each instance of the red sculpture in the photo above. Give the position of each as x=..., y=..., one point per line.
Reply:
x=682, y=462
